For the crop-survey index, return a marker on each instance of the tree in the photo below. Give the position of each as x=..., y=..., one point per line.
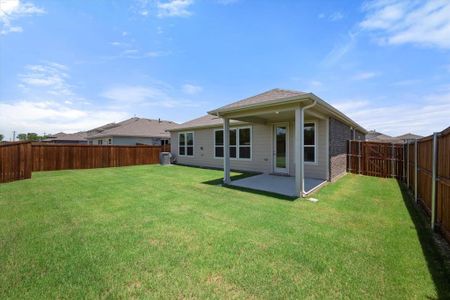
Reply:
x=22, y=136
x=1, y=137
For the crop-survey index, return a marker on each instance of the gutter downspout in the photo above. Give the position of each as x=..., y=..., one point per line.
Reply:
x=302, y=143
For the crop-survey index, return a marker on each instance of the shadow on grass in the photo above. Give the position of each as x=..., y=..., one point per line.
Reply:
x=219, y=181
x=434, y=248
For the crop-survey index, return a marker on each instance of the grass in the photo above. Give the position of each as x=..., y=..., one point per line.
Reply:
x=171, y=232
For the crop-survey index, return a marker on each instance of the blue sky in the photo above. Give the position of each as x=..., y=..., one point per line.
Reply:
x=73, y=65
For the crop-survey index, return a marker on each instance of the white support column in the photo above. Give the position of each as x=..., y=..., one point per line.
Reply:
x=433, y=182
x=226, y=150
x=299, y=152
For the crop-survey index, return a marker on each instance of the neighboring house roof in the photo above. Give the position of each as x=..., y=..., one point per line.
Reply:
x=409, y=136
x=136, y=127
x=61, y=136
x=266, y=99
x=375, y=136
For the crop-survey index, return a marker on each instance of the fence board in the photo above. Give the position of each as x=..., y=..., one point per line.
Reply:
x=15, y=161
x=443, y=183
x=376, y=159
x=49, y=157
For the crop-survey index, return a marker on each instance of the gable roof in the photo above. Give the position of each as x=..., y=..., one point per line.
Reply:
x=61, y=136
x=281, y=96
x=409, y=136
x=375, y=136
x=271, y=95
x=136, y=127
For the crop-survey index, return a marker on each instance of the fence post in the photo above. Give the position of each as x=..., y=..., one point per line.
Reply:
x=416, y=167
x=407, y=164
x=359, y=157
x=404, y=164
x=433, y=182
x=392, y=160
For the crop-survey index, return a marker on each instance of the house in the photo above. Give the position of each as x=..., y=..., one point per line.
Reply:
x=375, y=136
x=408, y=137
x=134, y=131
x=280, y=132
x=67, y=138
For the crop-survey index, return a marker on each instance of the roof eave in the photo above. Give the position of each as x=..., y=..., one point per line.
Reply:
x=289, y=100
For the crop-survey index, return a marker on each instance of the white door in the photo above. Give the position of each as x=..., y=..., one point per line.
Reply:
x=281, y=146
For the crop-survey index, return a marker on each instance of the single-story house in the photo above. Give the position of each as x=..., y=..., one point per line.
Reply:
x=296, y=140
x=67, y=138
x=375, y=136
x=409, y=137
x=134, y=131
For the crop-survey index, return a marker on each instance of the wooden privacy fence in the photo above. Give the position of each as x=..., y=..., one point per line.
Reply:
x=15, y=161
x=18, y=160
x=376, y=159
x=423, y=165
x=47, y=157
x=428, y=176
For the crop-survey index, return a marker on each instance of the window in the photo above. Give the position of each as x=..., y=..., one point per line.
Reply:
x=240, y=143
x=186, y=144
x=310, y=142
x=100, y=142
x=109, y=141
x=164, y=142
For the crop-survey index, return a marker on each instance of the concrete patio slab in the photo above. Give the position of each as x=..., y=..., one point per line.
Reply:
x=283, y=185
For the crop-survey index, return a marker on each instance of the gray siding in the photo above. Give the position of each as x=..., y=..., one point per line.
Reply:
x=262, y=150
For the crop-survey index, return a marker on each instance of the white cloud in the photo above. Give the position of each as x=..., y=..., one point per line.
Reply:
x=336, y=16
x=364, y=75
x=50, y=77
x=227, y=2
x=126, y=95
x=51, y=117
x=174, y=8
x=191, y=89
x=424, y=23
x=340, y=50
x=49, y=104
x=333, y=17
x=11, y=10
x=424, y=117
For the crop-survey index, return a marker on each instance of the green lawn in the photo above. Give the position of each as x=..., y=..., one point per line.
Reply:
x=173, y=232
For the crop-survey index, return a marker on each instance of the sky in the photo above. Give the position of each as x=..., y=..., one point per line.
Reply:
x=74, y=65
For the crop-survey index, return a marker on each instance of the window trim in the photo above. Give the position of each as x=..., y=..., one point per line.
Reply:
x=316, y=161
x=185, y=145
x=237, y=143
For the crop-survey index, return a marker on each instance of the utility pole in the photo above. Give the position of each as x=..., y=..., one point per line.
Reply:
x=14, y=136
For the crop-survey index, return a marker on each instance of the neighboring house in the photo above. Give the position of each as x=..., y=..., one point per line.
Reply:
x=374, y=136
x=67, y=138
x=408, y=137
x=278, y=132
x=134, y=131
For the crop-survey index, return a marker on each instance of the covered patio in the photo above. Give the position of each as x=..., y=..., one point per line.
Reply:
x=295, y=183
x=283, y=185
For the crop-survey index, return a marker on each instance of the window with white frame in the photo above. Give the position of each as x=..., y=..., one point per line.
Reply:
x=186, y=144
x=310, y=142
x=240, y=143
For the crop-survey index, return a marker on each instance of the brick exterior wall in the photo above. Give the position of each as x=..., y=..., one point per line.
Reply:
x=339, y=135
